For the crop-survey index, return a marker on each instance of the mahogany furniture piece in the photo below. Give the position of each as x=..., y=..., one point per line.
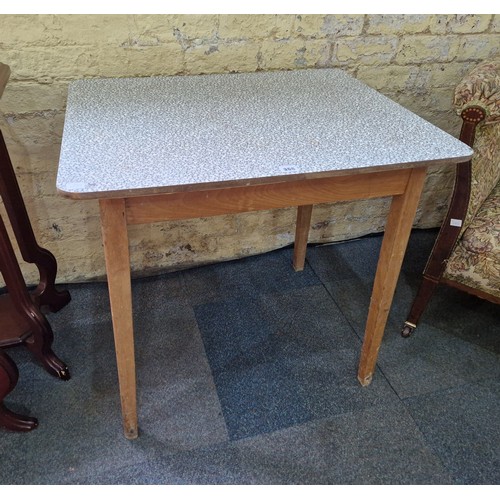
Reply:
x=21, y=318
x=9, y=375
x=469, y=233
x=169, y=148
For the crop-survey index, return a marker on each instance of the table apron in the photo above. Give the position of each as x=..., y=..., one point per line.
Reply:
x=195, y=204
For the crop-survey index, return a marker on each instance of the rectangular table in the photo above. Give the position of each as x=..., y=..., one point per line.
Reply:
x=169, y=148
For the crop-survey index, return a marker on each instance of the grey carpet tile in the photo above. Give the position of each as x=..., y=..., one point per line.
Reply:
x=145, y=472
x=432, y=360
x=177, y=395
x=353, y=296
x=381, y=445
x=14, y=451
x=467, y=317
x=378, y=445
x=461, y=425
x=181, y=421
x=247, y=375
x=78, y=429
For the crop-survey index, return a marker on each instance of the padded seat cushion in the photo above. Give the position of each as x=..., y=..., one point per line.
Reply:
x=483, y=235
x=475, y=261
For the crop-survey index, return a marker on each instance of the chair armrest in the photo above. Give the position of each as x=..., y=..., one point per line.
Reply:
x=481, y=88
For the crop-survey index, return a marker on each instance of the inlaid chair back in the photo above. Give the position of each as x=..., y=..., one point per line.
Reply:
x=466, y=254
x=477, y=101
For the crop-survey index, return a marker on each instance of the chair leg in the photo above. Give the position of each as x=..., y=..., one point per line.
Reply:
x=8, y=380
x=424, y=294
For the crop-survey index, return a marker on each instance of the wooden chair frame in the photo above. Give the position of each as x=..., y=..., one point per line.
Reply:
x=449, y=233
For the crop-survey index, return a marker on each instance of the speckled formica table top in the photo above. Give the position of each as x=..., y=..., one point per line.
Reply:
x=175, y=133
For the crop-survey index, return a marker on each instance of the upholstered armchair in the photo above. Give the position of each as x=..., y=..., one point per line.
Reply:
x=466, y=254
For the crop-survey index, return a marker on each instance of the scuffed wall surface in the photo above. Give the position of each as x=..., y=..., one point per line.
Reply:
x=414, y=59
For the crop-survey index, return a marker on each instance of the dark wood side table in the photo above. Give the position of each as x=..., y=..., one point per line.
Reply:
x=22, y=320
x=8, y=380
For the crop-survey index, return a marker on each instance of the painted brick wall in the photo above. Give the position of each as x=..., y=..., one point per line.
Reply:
x=414, y=59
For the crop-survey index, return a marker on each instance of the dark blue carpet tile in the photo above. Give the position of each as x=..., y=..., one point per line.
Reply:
x=355, y=259
x=353, y=298
x=418, y=250
x=462, y=427
x=268, y=273
x=279, y=360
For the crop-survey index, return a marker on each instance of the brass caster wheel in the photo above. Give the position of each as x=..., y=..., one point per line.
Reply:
x=408, y=329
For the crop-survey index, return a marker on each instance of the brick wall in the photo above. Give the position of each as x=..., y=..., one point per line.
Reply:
x=414, y=59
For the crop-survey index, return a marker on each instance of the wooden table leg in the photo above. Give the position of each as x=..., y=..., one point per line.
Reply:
x=117, y=255
x=397, y=233
x=301, y=236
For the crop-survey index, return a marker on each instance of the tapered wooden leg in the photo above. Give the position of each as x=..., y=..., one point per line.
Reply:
x=41, y=338
x=397, y=233
x=301, y=235
x=116, y=251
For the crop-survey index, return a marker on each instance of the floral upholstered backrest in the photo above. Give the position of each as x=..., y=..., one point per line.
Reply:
x=481, y=88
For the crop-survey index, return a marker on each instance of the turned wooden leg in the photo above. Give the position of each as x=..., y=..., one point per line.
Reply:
x=116, y=252
x=397, y=233
x=8, y=380
x=40, y=344
x=46, y=293
x=301, y=236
